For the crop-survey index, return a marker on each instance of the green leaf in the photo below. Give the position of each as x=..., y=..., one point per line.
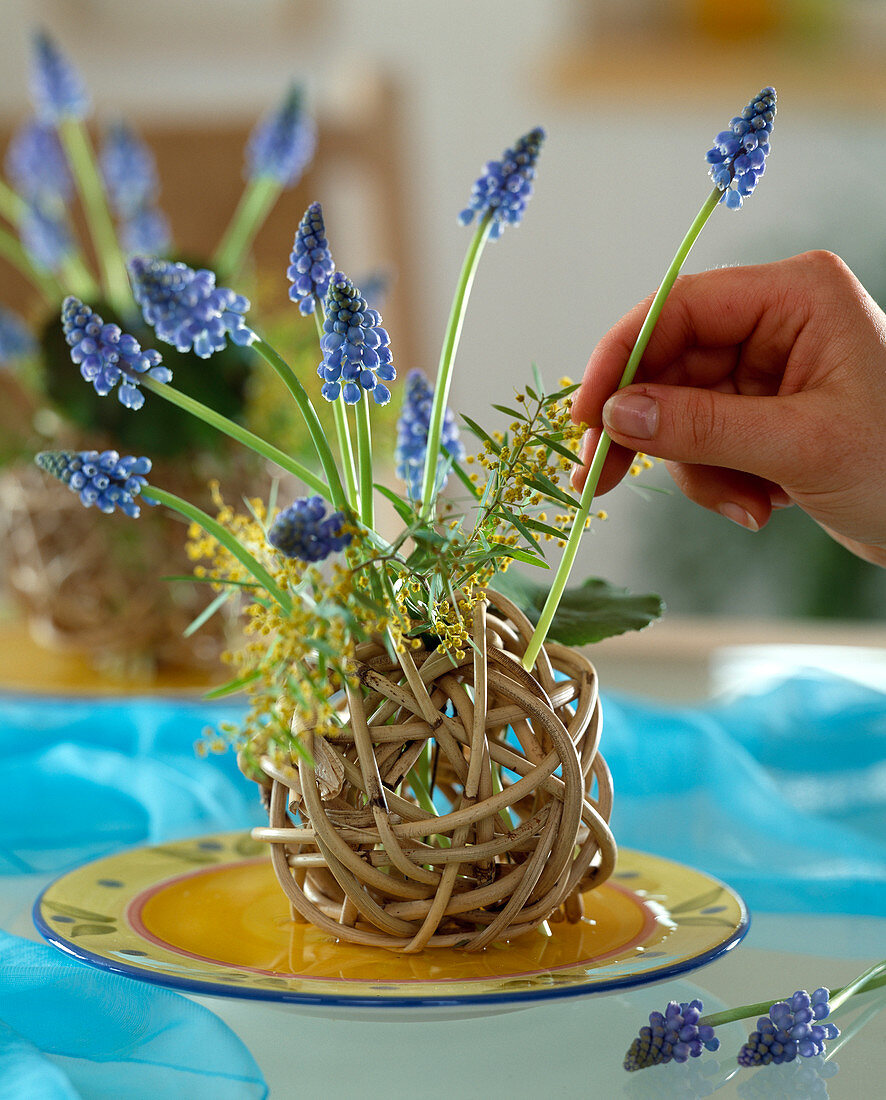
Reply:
x=508, y=411
x=232, y=686
x=588, y=612
x=547, y=488
x=549, y=442
x=537, y=379
x=404, y=510
x=207, y=612
x=545, y=528
x=481, y=433
x=510, y=517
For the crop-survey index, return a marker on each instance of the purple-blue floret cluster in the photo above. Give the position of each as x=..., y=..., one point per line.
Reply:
x=37, y=167
x=45, y=237
x=356, y=349
x=282, y=144
x=102, y=479
x=310, y=263
x=129, y=170
x=412, y=436
x=506, y=185
x=16, y=340
x=56, y=86
x=738, y=158
x=130, y=175
x=790, y=1029
x=674, y=1035
x=185, y=307
x=107, y=356
x=146, y=232
x=304, y=531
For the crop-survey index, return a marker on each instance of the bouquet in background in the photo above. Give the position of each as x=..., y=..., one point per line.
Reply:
x=70, y=217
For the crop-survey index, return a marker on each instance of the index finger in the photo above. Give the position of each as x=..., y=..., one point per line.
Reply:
x=732, y=328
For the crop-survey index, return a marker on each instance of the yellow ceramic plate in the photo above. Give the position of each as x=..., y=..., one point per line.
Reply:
x=206, y=916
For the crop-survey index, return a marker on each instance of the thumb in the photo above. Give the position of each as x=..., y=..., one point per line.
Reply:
x=757, y=435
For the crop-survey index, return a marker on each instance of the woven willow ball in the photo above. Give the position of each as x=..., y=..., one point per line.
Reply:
x=370, y=866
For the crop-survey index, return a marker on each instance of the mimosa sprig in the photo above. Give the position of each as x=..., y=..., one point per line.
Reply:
x=737, y=162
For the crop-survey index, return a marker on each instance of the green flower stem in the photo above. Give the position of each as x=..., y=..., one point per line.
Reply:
x=321, y=445
x=364, y=460
x=255, y=204
x=75, y=139
x=872, y=978
x=561, y=577
x=11, y=250
x=12, y=205
x=447, y=360
x=78, y=278
x=342, y=430
x=235, y=431
x=223, y=535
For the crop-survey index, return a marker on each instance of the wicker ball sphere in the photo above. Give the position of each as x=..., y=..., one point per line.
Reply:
x=513, y=829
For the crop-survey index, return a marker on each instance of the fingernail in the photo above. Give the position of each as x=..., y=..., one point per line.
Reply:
x=778, y=498
x=739, y=515
x=632, y=414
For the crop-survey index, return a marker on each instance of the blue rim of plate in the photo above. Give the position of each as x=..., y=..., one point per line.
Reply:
x=182, y=983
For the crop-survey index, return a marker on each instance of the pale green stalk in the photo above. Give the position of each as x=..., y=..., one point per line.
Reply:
x=75, y=139
x=236, y=431
x=342, y=430
x=561, y=577
x=78, y=278
x=321, y=445
x=255, y=204
x=47, y=284
x=223, y=535
x=872, y=978
x=12, y=205
x=364, y=460
x=447, y=360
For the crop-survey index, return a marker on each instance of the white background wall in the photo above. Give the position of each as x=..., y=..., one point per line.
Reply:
x=621, y=176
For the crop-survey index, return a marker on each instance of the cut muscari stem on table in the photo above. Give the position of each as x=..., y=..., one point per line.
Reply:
x=737, y=161
x=789, y=1029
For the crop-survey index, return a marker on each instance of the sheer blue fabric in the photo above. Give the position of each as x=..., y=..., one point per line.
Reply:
x=782, y=794
x=70, y=1031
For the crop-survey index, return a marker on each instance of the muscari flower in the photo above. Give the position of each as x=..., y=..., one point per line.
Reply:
x=129, y=171
x=310, y=263
x=56, y=86
x=185, y=307
x=46, y=238
x=15, y=340
x=506, y=185
x=738, y=158
x=282, y=144
x=790, y=1029
x=304, y=531
x=412, y=434
x=37, y=167
x=145, y=232
x=356, y=352
x=107, y=356
x=104, y=479
x=675, y=1036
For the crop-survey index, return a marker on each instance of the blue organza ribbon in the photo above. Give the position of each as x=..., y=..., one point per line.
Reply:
x=68, y=1031
x=781, y=793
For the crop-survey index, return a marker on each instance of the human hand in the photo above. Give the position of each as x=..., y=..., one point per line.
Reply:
x=760, y=387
